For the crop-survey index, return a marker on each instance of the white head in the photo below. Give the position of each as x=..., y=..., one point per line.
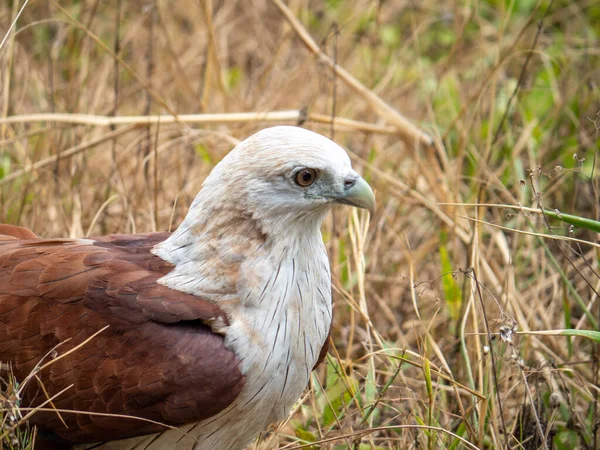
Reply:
x=284, y=176
x=277, y=184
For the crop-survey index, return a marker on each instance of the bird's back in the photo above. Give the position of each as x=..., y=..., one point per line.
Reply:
x=85, y=327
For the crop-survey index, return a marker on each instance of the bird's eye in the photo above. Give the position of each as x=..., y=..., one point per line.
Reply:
x=306, y=177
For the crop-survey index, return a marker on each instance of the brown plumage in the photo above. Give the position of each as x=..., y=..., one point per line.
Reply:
x=214, y=328
x=157, y=360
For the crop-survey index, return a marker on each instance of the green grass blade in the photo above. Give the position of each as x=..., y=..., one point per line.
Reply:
x=581, y=222
x=593, y=335
x=452, y=293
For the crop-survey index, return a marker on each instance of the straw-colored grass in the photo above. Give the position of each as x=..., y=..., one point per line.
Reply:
x=465, y=310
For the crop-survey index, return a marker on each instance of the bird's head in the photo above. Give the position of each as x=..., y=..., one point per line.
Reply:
x=286, y=176
x=273, y=188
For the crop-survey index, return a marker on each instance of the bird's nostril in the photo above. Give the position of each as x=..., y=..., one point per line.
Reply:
x=349, y=182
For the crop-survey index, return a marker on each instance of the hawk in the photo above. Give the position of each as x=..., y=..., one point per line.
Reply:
x=212, y=330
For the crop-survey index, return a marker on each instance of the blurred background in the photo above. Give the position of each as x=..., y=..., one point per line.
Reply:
x=464, y=316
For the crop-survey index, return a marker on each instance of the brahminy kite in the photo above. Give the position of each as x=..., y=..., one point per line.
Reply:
x=212, y=330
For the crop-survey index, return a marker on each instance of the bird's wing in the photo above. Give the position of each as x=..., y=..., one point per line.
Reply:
x=13, y=232
x=158, y=359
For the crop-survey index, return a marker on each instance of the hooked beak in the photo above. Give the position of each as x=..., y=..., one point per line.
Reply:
x=358, y=194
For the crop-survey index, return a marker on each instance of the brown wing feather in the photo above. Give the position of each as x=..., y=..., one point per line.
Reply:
x=12, y=232
x=157, y=360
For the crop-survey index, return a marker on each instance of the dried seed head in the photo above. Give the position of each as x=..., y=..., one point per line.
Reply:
x=506, y=334
x=555, y=400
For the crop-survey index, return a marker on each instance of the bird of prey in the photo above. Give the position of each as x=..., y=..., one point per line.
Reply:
x=212, y=330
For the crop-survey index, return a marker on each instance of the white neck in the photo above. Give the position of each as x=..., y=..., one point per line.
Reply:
x=277, y=296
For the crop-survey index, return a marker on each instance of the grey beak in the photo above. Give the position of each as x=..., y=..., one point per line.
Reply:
x=360, y=195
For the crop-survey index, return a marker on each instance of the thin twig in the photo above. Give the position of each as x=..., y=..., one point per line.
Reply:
x=360, y=433
x=65, y=154
x=74, y=349
x=155, y=95
x=147, y=143
x=336, y=32
x=13, y=23
x=538, y=197
x=473, y=275
x=293, y=116
x=212, y=51
x=521, y=78
x=7, y=69
x=556, y=237
x=155, y=176
x=116, y=80
x=410, y=132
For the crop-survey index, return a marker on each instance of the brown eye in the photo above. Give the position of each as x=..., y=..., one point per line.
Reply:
x=306, y=177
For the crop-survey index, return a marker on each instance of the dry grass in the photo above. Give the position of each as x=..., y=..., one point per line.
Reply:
x=443, y=323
